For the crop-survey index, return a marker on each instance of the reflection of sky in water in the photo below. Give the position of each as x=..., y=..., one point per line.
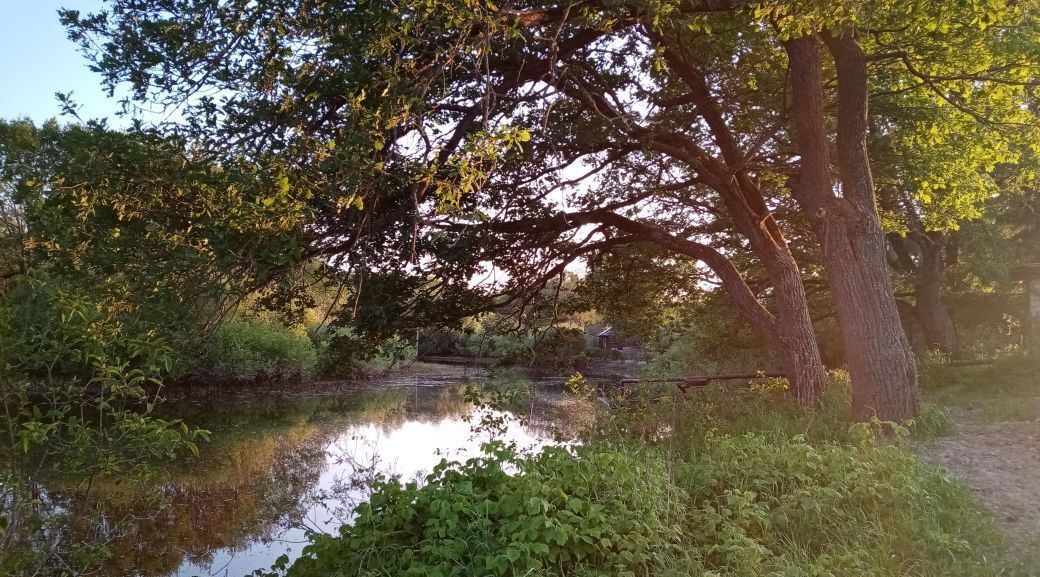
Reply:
x=408, y=450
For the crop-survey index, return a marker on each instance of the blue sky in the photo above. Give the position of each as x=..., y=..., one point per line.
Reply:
x=37, y=60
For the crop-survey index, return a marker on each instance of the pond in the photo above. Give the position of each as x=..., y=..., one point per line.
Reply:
x=279, y=466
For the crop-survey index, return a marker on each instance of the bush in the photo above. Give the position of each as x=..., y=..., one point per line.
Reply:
x=555, y=348
x=78, y=387
x=593, y=511
x=393, y=352
x=761, y=505
x=250, y=348
x=732, y=482
x=740, y=506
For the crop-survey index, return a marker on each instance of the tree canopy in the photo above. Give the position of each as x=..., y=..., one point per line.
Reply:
x=451, y=140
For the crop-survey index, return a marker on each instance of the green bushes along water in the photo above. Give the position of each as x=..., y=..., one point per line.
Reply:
x=720, y=483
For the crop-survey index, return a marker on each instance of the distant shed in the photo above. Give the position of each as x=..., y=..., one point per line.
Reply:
x=606, y=337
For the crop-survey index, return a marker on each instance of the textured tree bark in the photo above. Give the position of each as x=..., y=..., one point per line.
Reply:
x=798, y=348
x=880, y=361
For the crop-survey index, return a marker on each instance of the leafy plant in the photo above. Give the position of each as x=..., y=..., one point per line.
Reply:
x=586, y=511
x=250, y=347
x=732, y=483
x=78, y=389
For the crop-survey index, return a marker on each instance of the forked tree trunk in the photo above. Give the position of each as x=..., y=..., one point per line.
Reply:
x=880, y=361
x=792, y=336
x=789, y=331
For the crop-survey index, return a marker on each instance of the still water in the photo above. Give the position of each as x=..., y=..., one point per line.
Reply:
x=281, y=466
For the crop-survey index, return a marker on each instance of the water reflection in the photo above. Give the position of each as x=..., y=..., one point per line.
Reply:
x=279, y=467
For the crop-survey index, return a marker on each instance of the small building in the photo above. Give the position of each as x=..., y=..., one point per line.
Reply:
x=606, y=337
x=1030, y=275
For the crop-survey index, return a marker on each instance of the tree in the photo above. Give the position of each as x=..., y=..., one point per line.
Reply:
x=447, y=98
x=951, y=131
x=139, y=221
x=437, y=141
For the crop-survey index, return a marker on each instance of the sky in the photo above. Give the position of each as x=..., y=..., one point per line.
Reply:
x=37, y=60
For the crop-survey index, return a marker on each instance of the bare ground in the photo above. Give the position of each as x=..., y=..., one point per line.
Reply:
x=1000, y=461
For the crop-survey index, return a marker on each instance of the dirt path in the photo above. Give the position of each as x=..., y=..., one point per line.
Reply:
x=1001, y=463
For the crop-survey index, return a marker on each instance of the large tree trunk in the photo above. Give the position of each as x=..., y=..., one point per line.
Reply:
x=794, y=338
x=790, y=334
x=880, y=361
x=928, y=322
x=798, y=348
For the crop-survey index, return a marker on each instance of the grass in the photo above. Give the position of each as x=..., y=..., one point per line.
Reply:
x=1009, y=410
x=934, y=422
x=1006, y=391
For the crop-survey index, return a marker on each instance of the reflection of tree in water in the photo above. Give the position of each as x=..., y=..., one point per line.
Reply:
x=254, y=480
x=248, y=484
x=261, y=493
x=433, y=404
x=260, y=474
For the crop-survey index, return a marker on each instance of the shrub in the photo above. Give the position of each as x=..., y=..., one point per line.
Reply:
x=251, y=347
x=342, y=353
x=392, y=352
x=556, y=348
x=590, y=511
x=739, y=506
x=728, y=482
x=77, y=388
x=598, y=354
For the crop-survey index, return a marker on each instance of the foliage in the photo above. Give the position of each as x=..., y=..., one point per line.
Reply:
x=640, y=288
x=586, y=511
x=437, y=143
x=78, y=389
x=394, y=351
x=342, y=352
x=14, y=258
x=772, y=505
x=141, y=220
x=706, y=338
x=733, y=484
x=249, y=347
x=553, y=347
